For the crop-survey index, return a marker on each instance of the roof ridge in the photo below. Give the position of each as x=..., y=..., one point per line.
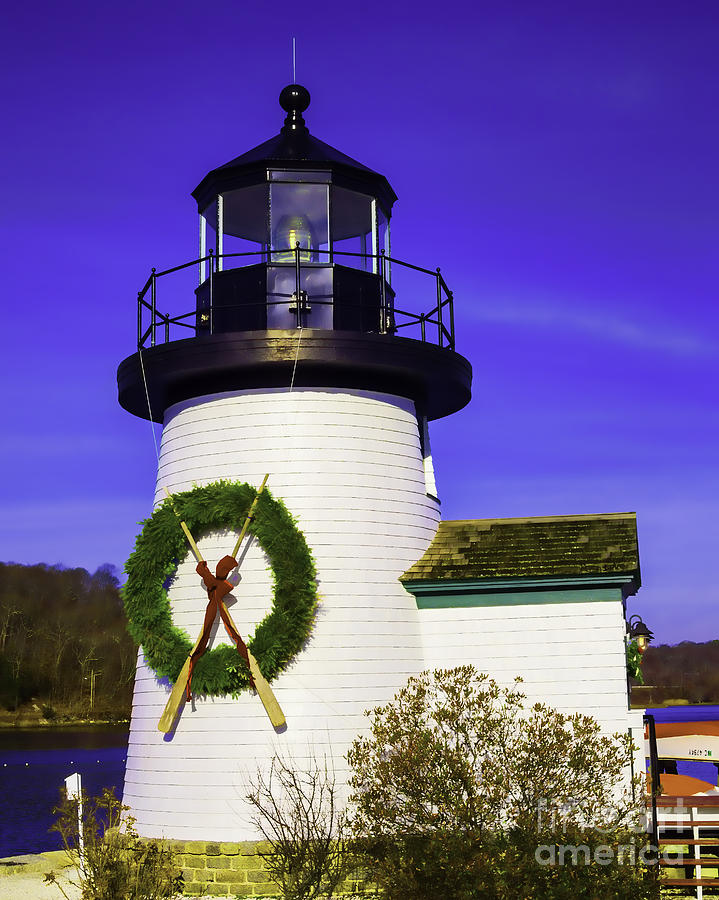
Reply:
x=522, y=519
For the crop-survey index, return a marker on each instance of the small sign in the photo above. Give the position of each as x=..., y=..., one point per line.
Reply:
x=690, y=746
x=73, y=786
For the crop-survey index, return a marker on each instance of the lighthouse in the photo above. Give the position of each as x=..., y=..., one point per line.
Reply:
x=292, y=375
x=291, y=356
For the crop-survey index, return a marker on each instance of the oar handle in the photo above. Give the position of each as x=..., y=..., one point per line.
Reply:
x=190, y=540
x=248, y=517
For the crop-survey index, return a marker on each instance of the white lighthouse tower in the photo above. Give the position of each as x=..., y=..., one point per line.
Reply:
x=296, y=359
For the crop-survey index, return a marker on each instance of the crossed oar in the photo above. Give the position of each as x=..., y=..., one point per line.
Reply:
x=217, y=588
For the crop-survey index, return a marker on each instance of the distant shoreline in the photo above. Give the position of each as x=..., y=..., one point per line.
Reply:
x=669, y=704
x=33, y=725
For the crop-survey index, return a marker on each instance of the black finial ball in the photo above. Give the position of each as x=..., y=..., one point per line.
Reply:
x=294, y=98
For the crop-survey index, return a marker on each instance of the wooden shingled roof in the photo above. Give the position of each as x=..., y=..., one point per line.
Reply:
x=542, y=547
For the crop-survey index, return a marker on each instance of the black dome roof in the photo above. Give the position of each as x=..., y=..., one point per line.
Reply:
x=296, y=148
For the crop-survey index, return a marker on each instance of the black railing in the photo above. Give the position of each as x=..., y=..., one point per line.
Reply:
x=435, y=326
x=655, y=785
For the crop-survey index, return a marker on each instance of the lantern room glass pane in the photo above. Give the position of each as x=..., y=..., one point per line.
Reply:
x=299, y=213
x=352, y=228
x=245, y=213
x=245, y=226
x=209, y=214
x=316, y=310
x=299, y=175
x=383, y=226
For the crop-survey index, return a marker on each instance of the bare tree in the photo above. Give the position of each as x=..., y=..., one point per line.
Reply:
x=8, y=611
x=300, y=816
x=55, y=626
x=59, y=638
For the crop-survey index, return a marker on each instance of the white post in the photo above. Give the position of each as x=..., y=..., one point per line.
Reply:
x=73, y=789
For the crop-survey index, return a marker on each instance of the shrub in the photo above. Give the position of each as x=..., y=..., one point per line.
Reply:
x=460, y=792
x=113, y=862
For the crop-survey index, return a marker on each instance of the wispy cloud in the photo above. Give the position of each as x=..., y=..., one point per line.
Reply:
x=65, y=514
x=39, y=444
x=645, y=335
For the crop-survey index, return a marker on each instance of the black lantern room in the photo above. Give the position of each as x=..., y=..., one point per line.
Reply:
x=294, y=236
x=299, y=234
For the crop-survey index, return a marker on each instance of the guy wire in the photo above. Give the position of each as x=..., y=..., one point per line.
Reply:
x=147, y=390
x=149, y=408
x=294, y=416
x=297, y=353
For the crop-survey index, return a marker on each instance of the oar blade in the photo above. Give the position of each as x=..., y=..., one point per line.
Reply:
x=266, y=695
x=175, y=700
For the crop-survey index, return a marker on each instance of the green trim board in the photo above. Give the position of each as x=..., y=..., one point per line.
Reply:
x=490, y=585
x=442, y=597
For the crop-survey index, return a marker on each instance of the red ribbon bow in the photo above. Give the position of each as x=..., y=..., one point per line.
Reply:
x=217, y=588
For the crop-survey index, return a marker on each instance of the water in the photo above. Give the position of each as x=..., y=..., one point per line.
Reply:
x=701, y=713
x=33, y=767
x=35, y=763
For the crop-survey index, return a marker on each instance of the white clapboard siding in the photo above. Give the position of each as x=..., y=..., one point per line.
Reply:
x=349, y=467
x=569, y=655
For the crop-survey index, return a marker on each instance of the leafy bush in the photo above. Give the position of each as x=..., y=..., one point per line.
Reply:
x=113, y=863
x=460, y=792
x=634, y=662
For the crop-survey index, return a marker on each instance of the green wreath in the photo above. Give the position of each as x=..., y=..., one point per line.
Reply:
x=161, y=545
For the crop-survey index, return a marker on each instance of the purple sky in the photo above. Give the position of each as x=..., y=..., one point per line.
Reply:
x=557, y=160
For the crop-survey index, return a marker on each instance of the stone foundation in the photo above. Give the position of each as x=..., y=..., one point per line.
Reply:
x=224, y=869
x=230, y=869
